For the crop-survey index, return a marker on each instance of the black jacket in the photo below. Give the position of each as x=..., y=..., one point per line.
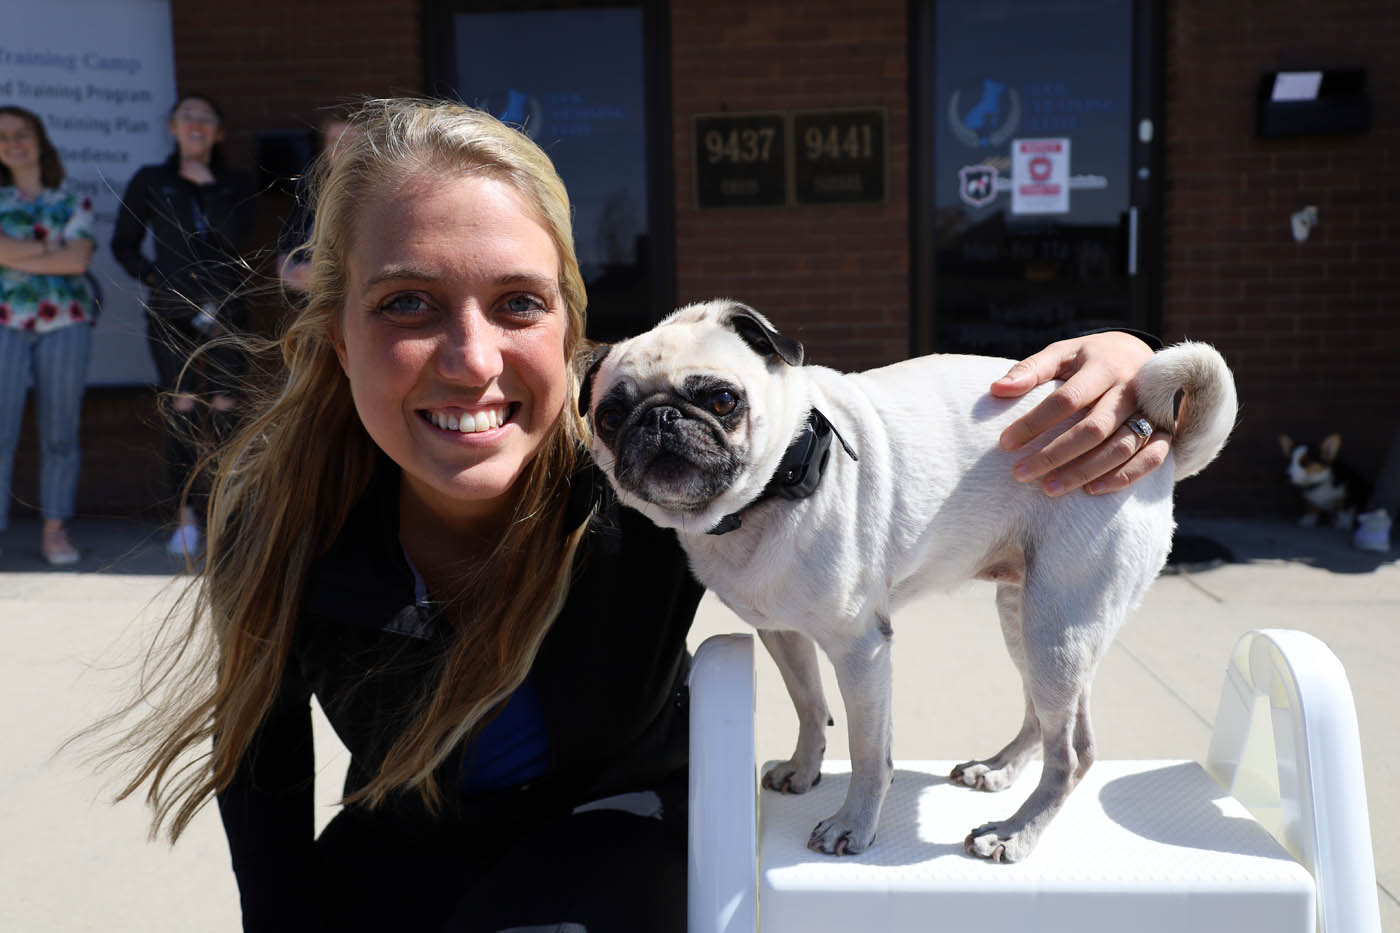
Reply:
x=196, y=229
x=610, y=676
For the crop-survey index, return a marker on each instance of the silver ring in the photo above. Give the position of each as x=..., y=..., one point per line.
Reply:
x=1141, y=427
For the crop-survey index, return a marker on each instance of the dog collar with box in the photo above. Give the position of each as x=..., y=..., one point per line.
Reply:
x=799, y=472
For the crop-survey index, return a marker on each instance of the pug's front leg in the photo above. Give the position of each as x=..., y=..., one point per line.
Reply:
x=864, y=674
x=796, y=657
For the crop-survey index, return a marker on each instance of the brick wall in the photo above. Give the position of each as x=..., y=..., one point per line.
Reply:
x=837, y=277
x=272, y=63
x=1313, y=329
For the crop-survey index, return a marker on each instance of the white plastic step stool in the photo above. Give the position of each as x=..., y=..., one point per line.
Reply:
x=1271, y=833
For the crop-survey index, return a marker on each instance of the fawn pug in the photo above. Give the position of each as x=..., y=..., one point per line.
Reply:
x=814, y=503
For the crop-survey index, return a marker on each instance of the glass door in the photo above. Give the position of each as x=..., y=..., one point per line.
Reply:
x=1038, y=201
x=588, y=84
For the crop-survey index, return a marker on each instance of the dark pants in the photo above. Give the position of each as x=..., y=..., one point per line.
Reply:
x=600, y=872
x=215, y=370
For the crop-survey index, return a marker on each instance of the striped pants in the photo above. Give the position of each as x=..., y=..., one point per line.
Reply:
x=57, y=362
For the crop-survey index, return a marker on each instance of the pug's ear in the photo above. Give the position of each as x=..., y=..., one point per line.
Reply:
x=760, y=335
x=585, y=389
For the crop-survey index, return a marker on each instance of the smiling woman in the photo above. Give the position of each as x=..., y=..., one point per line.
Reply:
x=196, y=210
x=46, y=317
x=454, y=316
x=408, y=528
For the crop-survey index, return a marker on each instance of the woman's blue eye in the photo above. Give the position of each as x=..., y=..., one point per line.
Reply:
x=404, y=304
x=524, y=304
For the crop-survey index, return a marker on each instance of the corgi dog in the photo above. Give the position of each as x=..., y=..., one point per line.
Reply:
x=1329, y=487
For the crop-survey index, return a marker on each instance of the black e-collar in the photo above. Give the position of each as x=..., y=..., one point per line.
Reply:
x=799, y=472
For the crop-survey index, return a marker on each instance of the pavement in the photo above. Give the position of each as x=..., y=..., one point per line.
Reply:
x=70, y=860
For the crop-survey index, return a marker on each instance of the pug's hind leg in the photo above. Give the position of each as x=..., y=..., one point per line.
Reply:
x=796, y=657
x=1001, y=770
x=1064, y=641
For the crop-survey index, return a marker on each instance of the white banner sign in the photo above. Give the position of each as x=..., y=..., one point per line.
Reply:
x=101, y=75
x=1040, y=176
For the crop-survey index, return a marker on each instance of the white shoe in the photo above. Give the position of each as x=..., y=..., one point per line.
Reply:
x=62, y=555
x=1372, y=531
x=186, y=542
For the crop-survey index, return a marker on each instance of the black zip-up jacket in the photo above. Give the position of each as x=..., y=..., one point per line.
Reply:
x=196, y=229
x=610, y=677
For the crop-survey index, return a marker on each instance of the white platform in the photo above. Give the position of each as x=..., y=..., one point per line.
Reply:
x=1270, y=834
x=1141, y=846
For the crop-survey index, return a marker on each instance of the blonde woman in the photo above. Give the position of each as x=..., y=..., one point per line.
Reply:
x=409, y=531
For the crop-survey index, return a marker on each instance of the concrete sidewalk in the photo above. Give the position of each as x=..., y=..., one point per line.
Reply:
x=70, y=861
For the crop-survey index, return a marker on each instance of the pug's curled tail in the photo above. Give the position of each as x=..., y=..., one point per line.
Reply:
x=1208, y=406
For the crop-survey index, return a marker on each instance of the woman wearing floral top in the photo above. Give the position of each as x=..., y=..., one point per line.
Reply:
x=46, y=313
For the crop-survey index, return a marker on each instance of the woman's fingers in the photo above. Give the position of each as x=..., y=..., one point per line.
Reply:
x=1152, y=455
x=1111, y=465
x=1075, y=395
x=1033, y=370
x=1098, y=452
x=1095, y=431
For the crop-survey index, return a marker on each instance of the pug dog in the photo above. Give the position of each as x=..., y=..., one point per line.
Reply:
x=816, y=503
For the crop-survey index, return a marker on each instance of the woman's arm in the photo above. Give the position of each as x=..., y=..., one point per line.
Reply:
x=13, y=249
x=69, y=259
x=1098, y=454
x=268, y=816
x=130, y=229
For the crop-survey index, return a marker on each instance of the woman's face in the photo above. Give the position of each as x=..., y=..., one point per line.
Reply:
x=19, y=144
x=452, y=337
x=195, y=126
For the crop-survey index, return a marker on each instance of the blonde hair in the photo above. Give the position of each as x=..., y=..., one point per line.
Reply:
x=285, y=482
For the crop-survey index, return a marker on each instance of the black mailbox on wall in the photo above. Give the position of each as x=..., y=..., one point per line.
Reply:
x=1324, y=102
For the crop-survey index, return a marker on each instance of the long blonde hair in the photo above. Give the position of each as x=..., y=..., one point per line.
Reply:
x=285, y=482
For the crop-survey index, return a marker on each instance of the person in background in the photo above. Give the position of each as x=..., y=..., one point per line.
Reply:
x=408, y=528
x=46, y=318
x=1372, y=532
x=196, y=211
x=294, y=265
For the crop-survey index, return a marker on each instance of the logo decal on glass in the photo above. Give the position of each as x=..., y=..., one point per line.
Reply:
x=977, y=184
x=989, y=121
x=522, y=110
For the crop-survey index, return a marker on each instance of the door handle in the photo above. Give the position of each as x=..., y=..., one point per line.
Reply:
x=1132, y=241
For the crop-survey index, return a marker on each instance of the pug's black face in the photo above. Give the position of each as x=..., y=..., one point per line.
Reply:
x=677, y=447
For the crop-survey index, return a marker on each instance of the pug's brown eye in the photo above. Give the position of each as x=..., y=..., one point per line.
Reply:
x=609, y=419
x=723, y=402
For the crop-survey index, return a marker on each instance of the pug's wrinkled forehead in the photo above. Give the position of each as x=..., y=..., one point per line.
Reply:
x=721, y=337
x=679, y=347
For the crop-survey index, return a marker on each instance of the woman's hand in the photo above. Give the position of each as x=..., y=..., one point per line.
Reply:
x=1100, y=453
x=13, y=249
x=57, y=259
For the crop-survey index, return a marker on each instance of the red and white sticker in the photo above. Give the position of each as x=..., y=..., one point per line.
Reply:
x=1040, y=176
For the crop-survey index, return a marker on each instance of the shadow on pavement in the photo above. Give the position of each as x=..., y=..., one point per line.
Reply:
x=1203, y=543
x=107, y=545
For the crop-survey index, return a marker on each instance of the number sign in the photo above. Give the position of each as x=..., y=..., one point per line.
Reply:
x=740, y=160
x=839, y=156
